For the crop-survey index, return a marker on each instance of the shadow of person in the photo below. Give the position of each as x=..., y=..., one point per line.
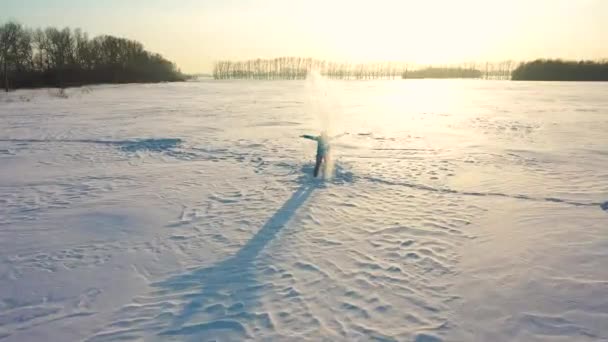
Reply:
x=224, y=295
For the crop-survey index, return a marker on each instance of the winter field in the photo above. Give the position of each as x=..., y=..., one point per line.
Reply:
x=456, y=211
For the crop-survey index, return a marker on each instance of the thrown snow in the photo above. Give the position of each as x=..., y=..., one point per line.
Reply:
x=457, y=211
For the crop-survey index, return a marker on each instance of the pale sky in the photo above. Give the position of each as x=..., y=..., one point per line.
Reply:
x=195, y=33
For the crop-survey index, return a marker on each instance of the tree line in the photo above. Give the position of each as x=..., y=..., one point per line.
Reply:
x=290, y=68
x=287, y=68
x=65, y=57
x=559, y=70
x=432, y=72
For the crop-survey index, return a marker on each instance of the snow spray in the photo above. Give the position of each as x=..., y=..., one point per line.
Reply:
x=322, y=103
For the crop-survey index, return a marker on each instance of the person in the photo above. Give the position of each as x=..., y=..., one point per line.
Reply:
x=322, y=149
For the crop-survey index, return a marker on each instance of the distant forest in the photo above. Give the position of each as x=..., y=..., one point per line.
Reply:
x=558, y=70
x=290, y=68
x=54, y=57
x=443, y=73
x=293, y=68
x=61, y=58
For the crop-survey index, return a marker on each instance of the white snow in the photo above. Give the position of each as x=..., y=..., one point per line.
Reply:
x=457, y=211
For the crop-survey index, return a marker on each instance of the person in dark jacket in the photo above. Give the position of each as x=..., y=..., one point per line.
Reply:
x=322, y=149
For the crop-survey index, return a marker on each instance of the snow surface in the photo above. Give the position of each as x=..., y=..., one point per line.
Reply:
x=457, y=211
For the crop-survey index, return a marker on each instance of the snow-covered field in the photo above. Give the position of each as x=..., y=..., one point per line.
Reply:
x=457, y=211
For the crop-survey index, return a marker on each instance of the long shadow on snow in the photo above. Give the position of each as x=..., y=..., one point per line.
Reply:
x=233, y=280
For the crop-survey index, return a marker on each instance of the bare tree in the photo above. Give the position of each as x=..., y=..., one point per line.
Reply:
x=15, y=49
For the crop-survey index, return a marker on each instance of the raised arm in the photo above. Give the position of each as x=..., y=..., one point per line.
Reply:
x=306, y=136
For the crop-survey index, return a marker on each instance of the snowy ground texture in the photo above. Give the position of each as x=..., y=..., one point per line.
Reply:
x=457, y=211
